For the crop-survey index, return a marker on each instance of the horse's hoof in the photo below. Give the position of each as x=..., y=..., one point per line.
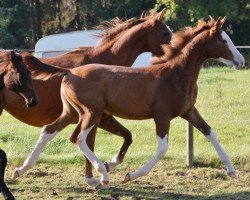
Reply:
x=98, y=187
x=233, y=174
x=127, y=178
x=105, y=184
x=15, y=174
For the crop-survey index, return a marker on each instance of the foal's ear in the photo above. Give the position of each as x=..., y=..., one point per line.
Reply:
x=160, y=15
x=12, y=55
x=217, y=27
x=211, y=19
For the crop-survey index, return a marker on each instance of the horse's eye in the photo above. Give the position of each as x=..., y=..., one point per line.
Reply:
x=224, y=41
x=165, y=33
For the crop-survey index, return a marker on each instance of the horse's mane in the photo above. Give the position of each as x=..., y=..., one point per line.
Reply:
x=114, y=28
x=180, y=39
x=40, y=70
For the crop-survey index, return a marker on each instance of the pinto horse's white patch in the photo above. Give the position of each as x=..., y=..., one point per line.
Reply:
x=238, y=60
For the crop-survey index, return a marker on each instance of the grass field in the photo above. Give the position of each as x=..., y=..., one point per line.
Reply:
x=224, y=101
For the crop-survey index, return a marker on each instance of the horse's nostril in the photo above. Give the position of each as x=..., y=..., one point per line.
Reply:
x=33, y=102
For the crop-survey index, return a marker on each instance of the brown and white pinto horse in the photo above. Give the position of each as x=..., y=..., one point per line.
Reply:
x=14, y=76
x=162, y=92
x=120, y=44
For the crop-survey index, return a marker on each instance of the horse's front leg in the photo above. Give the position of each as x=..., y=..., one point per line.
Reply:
x=3, y=187
x=197, y=121
x=162, y=129
x=110, y=124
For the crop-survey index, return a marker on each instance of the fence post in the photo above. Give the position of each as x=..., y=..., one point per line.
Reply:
x=190, y=144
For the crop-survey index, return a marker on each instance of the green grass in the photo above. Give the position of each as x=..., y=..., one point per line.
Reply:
x=223, y=100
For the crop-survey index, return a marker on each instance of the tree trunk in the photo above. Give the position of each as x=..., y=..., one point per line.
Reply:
x=38, y=18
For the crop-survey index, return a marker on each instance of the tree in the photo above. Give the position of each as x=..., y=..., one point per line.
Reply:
x=182, y=13
x=14, y=24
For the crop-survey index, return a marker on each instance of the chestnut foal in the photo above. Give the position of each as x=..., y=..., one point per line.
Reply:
x=162, y=92
x=15, y=77
x=120, y=45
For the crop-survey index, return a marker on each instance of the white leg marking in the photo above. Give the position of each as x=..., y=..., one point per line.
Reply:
x=92, y=181
x=31, y=160
x=114, y=162
x=97, y=164
x=221, y=152
x=161, y=151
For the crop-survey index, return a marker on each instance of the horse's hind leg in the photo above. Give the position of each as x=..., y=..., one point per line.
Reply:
x=89, y=122
x=194, y=118
x=47, y=134
x=3, y=187
x=110, y=124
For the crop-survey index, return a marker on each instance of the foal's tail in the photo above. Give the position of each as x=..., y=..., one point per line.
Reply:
x=40, y=70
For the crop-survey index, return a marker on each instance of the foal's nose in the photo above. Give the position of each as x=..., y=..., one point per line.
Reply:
x=33, y=102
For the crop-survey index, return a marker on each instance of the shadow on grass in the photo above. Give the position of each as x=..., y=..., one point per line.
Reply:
x=139, y=193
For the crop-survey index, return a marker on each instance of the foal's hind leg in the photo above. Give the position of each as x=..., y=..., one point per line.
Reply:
x=194, y=118
x=90, y=121
x=47, y=134
x=110, y=124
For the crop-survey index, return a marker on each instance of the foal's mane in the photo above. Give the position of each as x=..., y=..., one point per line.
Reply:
x=40, y=70
x=180, y=39
x=114, y=28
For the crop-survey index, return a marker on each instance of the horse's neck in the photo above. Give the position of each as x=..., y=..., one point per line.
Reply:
x=122, y=51
x=193, y=56
x=188, y=63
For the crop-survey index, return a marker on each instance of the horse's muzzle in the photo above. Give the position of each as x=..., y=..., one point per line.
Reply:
x=33, y=102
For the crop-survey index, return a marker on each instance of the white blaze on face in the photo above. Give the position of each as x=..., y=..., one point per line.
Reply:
x=238, y=60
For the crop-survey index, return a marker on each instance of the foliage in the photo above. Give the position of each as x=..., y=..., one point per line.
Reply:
x=23, y=22
x=182, y=13
x=14, y=24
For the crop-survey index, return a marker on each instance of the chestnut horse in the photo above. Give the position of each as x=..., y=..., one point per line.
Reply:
x=120, y=45
x=14, y=76
x=162, y=92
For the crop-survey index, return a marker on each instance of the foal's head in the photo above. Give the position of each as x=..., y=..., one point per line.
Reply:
x=158, y=33
x=150, y=30
x=15, y=76
x=221, y=47
x=217, y=44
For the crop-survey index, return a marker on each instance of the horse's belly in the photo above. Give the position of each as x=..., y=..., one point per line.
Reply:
x=126, y=112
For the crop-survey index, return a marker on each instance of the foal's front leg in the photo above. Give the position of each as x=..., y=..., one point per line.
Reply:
x=162, y=129
x=194, y=118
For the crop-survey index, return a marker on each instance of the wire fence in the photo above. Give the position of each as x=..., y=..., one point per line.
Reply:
x=189, y=128
x=210, y=63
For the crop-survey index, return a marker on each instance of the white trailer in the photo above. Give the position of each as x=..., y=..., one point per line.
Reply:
x=57, y=44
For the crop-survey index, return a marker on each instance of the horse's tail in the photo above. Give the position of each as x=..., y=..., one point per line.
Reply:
x=40, y=70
